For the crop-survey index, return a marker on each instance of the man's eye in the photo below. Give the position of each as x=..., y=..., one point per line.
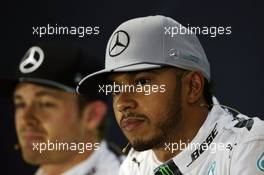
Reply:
x=19, y=105
x=115, y=92
x=46, y=104
x=143, y=81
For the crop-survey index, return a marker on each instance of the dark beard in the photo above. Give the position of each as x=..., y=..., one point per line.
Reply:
x=165, y=127
x=142, y=145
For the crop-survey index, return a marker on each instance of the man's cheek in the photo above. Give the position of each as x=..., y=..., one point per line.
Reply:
x=17, y=124
x=151, y=102
x=69, y=114
x=118, y=118
x=60, y=117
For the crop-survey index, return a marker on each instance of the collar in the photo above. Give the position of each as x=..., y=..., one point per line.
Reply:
x=187, y=159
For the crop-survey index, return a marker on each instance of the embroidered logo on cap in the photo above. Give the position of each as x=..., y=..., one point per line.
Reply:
x=118, y=43
x=32, y=60
x=174, y=53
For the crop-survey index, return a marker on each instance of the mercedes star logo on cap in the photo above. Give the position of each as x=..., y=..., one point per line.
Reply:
x=118, y=43
x=32, y=60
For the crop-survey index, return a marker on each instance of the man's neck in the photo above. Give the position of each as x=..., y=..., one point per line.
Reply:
x=185, y=131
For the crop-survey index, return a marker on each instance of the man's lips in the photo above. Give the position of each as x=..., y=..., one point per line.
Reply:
x=131, y=123
x=29, y=136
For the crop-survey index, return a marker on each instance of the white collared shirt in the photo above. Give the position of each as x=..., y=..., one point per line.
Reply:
x=236, y=147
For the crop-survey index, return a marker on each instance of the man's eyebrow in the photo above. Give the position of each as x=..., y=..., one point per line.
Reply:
x=39, y=94
x=151, y=71
x=145, y=72
x=136, y=73
x=48, y=93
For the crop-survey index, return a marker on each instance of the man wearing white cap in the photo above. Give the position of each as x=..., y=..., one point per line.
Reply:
x=179, y=127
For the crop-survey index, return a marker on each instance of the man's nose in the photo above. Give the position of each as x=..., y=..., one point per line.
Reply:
x=125, y=102
x=30, y=116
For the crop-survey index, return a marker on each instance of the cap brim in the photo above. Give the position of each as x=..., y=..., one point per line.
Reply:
x=8, y=84
x=101, y=77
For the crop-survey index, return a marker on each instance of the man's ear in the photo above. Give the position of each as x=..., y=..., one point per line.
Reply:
x=194, y=82
x=93, y=114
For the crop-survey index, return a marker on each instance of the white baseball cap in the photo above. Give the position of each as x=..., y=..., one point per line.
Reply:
x=148, y=43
